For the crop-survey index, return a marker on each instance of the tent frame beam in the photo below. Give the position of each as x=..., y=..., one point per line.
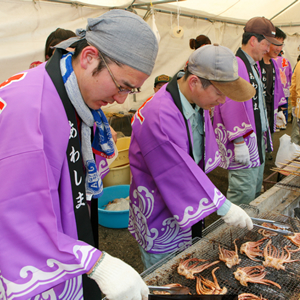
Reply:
x=139, y=5
x=142, y=7
x=283, y=10
x=225, y=21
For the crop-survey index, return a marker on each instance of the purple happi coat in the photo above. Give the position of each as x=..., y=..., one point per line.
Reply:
x=40, y=255
x=169, y=192
x=286, y=73
x=279, y=98
x=236, y=119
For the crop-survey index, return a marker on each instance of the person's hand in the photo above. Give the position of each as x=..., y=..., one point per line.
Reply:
x=241, y=153
x=117, y=280
x=113, y=134
x=238, y=217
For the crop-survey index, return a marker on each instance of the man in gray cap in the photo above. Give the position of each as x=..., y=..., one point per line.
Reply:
x=172, y=148
x=47, y=166
x=242, y=129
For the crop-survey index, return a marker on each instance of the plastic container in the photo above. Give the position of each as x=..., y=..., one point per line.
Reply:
x=123, y=148
x=113, y=219
x=117, y=176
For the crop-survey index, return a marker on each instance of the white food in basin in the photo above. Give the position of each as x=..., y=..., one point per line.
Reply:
x=118, y=204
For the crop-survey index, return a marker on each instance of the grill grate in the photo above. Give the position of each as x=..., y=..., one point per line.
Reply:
x=165, y=271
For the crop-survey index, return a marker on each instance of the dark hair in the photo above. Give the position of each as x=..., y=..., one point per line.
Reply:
x=55, y=38
x=247, y=35
x=280, y=34
x=205, y=82
x=199, y=41
x=298, y=58
x=80, y=45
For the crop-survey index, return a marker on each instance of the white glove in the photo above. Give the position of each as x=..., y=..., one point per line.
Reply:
x=117, y=280
x=238, y=217
x=280, y=120
x=293, y=111
x=241, y=153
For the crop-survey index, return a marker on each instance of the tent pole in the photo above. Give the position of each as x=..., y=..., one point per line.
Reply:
x=283, y=10
x=155, y=2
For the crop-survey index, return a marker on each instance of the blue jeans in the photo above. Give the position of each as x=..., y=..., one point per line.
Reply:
x=286, y=112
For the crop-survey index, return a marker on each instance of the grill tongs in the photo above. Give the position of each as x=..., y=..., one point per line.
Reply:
x=282, y=228
x=179, y=290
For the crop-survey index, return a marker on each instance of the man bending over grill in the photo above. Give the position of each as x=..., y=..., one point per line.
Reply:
x=172, y=148
x=47, y=248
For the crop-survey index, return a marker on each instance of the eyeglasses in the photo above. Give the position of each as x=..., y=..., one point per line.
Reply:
x=122, y=91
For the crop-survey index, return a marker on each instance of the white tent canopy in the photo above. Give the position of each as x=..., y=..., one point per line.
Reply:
x=26, y=24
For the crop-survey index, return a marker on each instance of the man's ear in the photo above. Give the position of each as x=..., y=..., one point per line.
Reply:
x=88, y=54
x=193, y=81
x=253, y=40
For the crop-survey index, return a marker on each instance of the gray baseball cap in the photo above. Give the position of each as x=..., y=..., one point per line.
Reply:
x=121, y=35
x=219, y=65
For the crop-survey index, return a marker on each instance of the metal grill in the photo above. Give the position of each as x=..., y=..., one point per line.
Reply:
x=207, y=248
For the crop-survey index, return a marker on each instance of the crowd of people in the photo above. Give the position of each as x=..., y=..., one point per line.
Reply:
x=219, y=110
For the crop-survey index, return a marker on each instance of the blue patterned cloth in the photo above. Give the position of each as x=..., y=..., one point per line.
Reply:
x=102, y=143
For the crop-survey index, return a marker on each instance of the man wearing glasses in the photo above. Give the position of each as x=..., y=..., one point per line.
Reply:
x=173, y=147
x=47, y=167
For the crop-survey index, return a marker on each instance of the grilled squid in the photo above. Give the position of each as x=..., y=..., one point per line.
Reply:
x=255, y=274
x=230, y=258
x=251, y=249
x=267, y=233
x=295, y=239
x=192, y=266
x=207, y=287
x=275, y=259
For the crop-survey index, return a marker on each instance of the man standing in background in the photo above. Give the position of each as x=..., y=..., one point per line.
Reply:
x=273, y=90
x=285, y=70
x=159, y=82
x=242, y=129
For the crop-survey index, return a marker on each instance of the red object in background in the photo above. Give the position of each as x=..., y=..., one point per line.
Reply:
x=35, y=64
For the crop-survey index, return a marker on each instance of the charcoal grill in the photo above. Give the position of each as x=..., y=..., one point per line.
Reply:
x=165, y=271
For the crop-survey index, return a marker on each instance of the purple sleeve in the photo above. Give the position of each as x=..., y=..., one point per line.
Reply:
x=35, y=254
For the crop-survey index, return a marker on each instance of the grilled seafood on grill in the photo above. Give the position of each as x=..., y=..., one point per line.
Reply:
x=274, y=259
x=192, y=266
x=207, y=287
x=251, y=249
x=248, y=296
x=253, y=274
x=230, y=258
x=267, y=233
x=295, y=239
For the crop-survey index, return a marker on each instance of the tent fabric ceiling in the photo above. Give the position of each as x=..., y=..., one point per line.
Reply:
x=26, y=24
x=237, y=11
x=281, y=12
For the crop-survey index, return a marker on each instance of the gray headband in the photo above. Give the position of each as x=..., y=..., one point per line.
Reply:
x=123, y=36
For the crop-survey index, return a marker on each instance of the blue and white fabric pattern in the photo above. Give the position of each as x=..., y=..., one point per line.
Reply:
x=102, y=143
